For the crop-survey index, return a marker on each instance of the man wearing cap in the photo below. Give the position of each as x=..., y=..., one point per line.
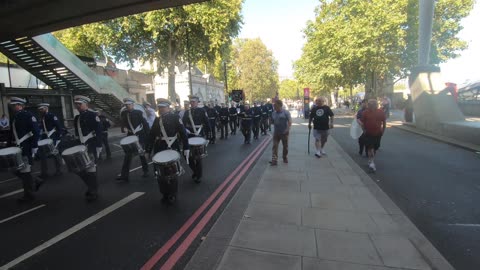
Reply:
x=88, y=129
x=26, y=133
x=223, y=115
x=232, y=111
x=51, y=128
x=196, y=122
x=212, y=119
x=246, y=122
x=138, y=126
x=257, y=113
x=166, y=130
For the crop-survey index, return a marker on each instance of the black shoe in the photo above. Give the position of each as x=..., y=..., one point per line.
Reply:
x=197, y=180
x=317, y=155
x=58, y=173
x=145, y=174
x=194, y=176
x=26, y=199
x=273, y=163
x=121, y=178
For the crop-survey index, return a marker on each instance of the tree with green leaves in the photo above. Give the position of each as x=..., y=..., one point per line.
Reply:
x=373, y=42
x=253, y=69
x=290, y=89
x=166, y=37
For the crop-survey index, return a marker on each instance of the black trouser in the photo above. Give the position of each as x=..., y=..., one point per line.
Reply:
x=27, y=183
x=233, y=124
x=213, y=129
x=264, y=125
x=126, y=164
x=247, y=132
x=167, y=186
x=224, y=128
x=90, y=180
x=256, y=127
x=106, y=145
x=44, y=164
x=269, y=122
x=361, y=144
x=196, y=166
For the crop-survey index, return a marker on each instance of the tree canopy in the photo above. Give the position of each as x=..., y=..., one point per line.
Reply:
x=290, y=89
x=165, y=37
x=253, y=69
x=354, y=41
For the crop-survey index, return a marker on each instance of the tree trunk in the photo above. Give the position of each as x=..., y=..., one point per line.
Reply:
x=172, y=51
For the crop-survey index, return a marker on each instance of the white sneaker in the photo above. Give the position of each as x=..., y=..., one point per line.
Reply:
x=371, y=165
x=323, y=152
x=318, y=154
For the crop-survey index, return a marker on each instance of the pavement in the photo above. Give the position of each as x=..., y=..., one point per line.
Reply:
x=312, y=213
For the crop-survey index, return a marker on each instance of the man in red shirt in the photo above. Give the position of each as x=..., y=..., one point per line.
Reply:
x=373, y=122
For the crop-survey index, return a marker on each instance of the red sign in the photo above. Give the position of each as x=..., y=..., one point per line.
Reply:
x=306, y=92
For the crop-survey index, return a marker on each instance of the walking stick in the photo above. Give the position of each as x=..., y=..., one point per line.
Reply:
x=309, y=130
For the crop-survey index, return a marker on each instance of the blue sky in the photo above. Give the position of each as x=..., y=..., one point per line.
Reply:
x=279, y=25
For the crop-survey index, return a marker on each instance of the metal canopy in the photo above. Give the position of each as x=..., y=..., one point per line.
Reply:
x=34, y=17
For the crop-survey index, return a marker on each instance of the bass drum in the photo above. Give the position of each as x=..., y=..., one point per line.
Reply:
x=11, y=158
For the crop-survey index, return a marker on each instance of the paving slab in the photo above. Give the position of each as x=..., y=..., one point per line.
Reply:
x=277, y=238
x=282, y=197
x=398, y=251
x=238, y=258
x=324, y=187
x=346, y=247
x=338, y=220
x=317, y=264
x=280, y=185
x=331, y=201
x=274, y=213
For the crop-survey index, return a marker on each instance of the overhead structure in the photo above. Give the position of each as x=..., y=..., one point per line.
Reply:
x=20, y=18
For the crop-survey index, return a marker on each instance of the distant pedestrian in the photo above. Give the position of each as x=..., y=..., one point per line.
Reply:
x=282, y=121
x=374, y=123
x=386, y=104
x=150, y=112
x=322, y=117
x=408, y=114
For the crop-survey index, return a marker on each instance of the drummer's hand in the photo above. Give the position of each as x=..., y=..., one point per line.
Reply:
x=34, y=151
x=186, y=153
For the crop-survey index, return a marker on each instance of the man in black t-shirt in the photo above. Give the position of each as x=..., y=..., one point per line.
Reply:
x=322, y=117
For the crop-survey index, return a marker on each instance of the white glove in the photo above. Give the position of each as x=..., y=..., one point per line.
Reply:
x=186, y=153
x=34, y=151
x=99, y=151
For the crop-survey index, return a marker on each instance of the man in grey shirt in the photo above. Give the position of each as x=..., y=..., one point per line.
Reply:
x=282, y=121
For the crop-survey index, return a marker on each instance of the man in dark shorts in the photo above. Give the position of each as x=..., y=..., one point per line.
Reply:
x=373, y=122
x=322, y=117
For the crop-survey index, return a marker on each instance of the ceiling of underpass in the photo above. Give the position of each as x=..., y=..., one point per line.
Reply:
x=33, y=17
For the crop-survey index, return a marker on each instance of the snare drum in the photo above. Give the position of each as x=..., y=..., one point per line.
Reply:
x=46, y=147
x=198, y=147
x=131, y=145
x=77, y=158
x=167, y=164
x=11, y=158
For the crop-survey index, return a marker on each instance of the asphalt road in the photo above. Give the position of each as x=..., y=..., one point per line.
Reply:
x=125, y=238
x=436, y=185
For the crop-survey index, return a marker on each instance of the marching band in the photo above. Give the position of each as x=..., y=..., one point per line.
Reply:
x=171, y=135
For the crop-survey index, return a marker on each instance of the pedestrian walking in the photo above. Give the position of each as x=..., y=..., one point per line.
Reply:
x=361, y=139
x=51, y=132
x=322, y=117
x=282, y=121
x=4, y=123
x=105, y=123
x=373, y=122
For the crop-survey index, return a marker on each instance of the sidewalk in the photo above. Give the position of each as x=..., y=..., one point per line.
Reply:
x=313, y=214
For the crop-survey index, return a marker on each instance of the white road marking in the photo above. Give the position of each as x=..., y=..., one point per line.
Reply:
x=464, y=225
x=117, y=145
x=134, y=169
x=73, y=229
x=11, y=193
x=22, y=213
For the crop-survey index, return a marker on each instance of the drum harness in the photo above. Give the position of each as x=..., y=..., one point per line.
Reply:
x=83, y=139
x=168, y=140
x=21, y=140
x=50, y=133
x=197, y=132
x=134, y=131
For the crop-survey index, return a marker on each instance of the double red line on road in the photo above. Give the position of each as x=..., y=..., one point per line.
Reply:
x=236, y=176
